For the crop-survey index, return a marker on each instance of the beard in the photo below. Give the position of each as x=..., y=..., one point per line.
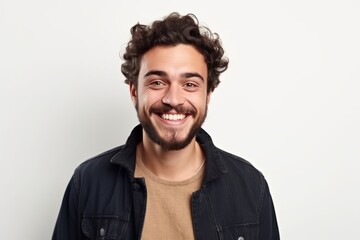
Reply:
x=172, y=143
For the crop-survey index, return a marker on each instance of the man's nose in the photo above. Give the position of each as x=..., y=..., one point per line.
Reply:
x=174, y=96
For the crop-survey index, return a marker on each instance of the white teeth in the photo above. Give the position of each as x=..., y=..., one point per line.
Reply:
x=173, y=117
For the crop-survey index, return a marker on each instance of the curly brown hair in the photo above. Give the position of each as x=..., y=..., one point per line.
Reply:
x=172, y=30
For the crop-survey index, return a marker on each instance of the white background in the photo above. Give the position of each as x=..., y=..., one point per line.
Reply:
x=289, y=102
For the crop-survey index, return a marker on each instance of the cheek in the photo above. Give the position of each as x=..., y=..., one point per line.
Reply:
x=199, y=101
x=146, y=100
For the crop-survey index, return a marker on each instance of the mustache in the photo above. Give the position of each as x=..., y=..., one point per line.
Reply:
x=164, y=108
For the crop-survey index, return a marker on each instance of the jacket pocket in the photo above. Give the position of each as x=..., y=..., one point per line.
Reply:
x=103, y=227
x=246, y=231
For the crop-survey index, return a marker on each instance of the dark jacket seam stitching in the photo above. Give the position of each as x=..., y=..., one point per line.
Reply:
x=218, y=228
x=262, y=194
x=240, y=225
x=76, y=182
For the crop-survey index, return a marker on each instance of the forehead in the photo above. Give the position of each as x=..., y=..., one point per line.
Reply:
x=174, y=60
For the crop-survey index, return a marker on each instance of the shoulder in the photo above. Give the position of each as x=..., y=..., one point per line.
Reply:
x=97, y=166
x=239, y=166
x=99, y=180
x=242, y=177
x=233, y=166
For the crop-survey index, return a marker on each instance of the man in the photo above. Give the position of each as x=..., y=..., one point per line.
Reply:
x=169, y=181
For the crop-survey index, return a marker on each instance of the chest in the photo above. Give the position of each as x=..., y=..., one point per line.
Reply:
x=217, y=211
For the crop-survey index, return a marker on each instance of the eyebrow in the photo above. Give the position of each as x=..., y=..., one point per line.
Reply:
x=164, y=74
x=192, y=74
x=156, y=73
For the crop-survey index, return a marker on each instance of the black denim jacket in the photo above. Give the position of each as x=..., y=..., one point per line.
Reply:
x=104, y=201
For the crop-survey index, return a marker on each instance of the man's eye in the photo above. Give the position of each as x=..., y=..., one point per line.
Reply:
x=190, y=85
x=157, y=83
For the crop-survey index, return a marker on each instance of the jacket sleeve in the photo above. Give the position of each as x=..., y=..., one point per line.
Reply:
x=67, y=222
x=268, y=229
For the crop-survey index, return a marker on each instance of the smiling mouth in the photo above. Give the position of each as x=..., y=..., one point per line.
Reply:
x=172, y=117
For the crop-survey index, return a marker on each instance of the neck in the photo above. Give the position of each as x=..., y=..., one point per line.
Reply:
x=176, y=165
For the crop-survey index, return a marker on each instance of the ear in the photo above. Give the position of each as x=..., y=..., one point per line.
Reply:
x=133, y=93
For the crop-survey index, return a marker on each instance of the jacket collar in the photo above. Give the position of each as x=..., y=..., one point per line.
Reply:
x=215, y=166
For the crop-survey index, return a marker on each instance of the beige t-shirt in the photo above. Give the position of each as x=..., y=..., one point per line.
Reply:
x=168, y=206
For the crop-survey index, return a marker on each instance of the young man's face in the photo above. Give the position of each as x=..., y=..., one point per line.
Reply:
x=171, y=97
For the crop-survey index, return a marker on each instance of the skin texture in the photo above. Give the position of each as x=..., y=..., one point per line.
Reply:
x=172, y=81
